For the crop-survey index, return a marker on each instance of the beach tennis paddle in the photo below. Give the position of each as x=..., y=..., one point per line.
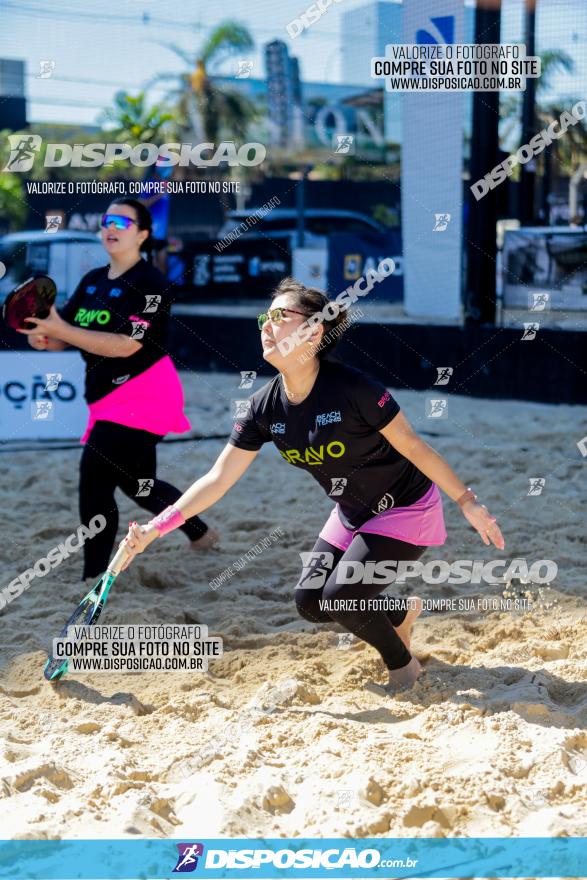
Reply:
x=31, y=299
x=87, y=612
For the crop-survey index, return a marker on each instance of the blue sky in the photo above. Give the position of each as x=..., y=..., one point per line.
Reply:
x=100, y=46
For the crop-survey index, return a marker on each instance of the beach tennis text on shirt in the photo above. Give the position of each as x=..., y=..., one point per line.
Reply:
x=138, y=648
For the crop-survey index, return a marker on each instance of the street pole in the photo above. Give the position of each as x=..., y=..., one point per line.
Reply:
x=301, y=206
x=528, y=170
x=482, y=215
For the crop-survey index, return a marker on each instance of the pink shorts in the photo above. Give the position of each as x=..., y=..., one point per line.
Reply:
x=421, y=523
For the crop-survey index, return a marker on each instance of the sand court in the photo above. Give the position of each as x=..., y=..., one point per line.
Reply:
x=290, y=731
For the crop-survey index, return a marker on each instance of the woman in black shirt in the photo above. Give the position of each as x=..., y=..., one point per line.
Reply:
x=118, y=318
x=346, y=430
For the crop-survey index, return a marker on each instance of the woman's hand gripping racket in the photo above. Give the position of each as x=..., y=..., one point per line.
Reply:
x=88, y=611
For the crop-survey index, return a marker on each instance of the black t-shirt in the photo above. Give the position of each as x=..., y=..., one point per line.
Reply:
x=334, y=434
x=134, y=304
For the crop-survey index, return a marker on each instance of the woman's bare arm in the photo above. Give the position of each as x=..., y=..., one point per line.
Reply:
x=402, y=437
x=227, y=470
x=103, y=343
x=43, y=343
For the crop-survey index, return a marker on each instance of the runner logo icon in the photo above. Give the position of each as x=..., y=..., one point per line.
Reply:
x=338, y=485
x=187, y=861
x=23, y=150
x=317, y=567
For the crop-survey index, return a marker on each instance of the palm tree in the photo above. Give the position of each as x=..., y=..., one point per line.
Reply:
x=552, y=61
x=570, y=150
x=563, y=155
x=202, y=106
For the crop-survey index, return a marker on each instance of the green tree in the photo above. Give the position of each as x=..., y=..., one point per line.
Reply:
x=564, y=155
x=133, y=121
x=13, y=205
x=130, y=120
x=552, y=61
x=12, y=200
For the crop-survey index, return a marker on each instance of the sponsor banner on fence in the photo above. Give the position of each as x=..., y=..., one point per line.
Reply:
x=245, y=268
x=545, y=269
x=350, y=256
x=41, y=396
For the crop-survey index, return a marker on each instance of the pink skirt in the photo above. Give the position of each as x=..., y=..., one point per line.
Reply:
x=421, y=523
x=152, y=401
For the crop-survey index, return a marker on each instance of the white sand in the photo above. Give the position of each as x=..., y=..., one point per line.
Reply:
x=492, y=742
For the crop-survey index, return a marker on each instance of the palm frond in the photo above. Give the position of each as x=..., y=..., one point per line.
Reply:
x=188, y=58
x=227, y=40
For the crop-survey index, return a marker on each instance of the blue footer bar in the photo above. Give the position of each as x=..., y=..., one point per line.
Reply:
x=131, y=859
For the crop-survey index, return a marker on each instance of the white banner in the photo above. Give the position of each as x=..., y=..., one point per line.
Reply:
x=431, y=172
x=41, y=395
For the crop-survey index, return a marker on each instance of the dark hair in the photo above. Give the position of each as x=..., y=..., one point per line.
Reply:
x=144, y=220
x=312, y=301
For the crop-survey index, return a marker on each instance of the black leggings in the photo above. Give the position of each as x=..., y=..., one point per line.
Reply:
x=117, y=456
x=375, y=626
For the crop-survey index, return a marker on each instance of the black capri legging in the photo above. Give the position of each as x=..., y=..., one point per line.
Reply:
x=117, y=456
x=375, y=626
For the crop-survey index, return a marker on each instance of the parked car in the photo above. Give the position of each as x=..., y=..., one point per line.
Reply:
x=282, y=223
x=65, y=256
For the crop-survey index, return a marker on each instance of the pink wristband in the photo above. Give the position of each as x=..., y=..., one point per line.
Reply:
x=168, y=520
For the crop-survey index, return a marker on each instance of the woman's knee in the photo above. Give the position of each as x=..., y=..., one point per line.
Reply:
x=307, y=605
x=334, y=591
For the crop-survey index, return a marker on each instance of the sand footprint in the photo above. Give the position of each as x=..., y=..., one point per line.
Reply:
x=574, y=754
x=88, y=727
x=49, y=772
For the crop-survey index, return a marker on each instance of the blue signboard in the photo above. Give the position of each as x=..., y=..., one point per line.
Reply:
x=350, y=256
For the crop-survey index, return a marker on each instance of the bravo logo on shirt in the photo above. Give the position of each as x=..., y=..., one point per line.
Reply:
x=85, y=317
x=314, y=455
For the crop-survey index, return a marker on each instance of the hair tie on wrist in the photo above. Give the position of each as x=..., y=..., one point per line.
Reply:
x=468, y=495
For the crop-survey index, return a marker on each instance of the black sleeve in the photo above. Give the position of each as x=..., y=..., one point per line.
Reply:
x=373, y=403
x=148, y=319
x=250, y=430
